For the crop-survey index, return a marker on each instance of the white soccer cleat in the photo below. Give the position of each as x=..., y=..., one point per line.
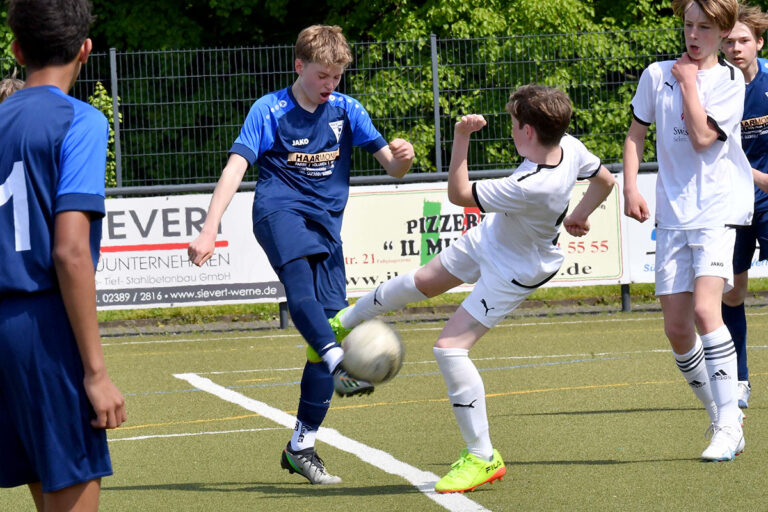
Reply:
x=744, y=390
x=727, y=442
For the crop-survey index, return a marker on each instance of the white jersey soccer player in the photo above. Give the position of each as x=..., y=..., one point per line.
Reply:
x=697, y=189
x=515, y=250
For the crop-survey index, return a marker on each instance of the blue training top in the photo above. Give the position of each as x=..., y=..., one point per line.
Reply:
x=754, y=127
x=53, y=151
x=304, y=157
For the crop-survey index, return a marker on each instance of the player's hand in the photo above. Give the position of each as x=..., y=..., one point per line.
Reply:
x=401, y=149
x=575, y=226
x=685, y=69
x=106, y=399
x=635, y=206
x=201, y=249
x=469, y=124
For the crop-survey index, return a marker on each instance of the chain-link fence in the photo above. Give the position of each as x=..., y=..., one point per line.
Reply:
x=181, y=110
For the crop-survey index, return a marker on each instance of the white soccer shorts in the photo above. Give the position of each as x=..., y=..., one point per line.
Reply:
x=682, y=255
x=493, y=296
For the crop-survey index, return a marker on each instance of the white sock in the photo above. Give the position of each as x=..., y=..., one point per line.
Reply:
x=467, y=396
x=720, y=357
x=302, y=437
x=388, y=296
x=333, y=357
x=694, y=369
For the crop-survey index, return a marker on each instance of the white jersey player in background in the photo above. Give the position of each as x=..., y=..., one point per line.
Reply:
x=509, y=255
x=704, y=188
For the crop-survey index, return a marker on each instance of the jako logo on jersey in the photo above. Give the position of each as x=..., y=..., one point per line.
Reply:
x=717, y=264
x=300, y=142
x=337, y=127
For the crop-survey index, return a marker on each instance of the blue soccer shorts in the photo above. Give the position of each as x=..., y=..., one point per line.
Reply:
x=746, y=239
x=45, y=415
x=286, y=235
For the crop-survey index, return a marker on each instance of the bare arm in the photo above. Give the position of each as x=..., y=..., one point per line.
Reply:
x=600, y=185
x=634, y=203
x=201, y=248
x=75, y=273
x=701, y=132
x=459, y=187
x=396, y=158
x=760, y=179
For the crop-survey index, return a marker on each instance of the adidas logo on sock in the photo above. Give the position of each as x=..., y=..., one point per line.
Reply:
x=720, y=375
x=696, y=384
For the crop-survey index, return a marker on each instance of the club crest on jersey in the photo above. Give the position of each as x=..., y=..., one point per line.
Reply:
x=337, y=127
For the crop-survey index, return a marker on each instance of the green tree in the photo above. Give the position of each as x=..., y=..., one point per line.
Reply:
x=103, y=101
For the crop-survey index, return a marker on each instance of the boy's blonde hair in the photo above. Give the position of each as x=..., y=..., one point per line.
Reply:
x=755, y=20
x=722, y=13
x=9, y=86
x=323, y=44
x=546, y=109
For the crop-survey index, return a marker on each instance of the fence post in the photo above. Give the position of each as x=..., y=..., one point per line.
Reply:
x=284, y=315
x=626, y=302
x=436, y=104
x=116, y=116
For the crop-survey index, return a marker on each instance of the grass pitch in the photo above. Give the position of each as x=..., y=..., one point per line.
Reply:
x=589, y=413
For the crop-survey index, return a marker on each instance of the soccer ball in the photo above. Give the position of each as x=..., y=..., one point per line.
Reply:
x=373, y=351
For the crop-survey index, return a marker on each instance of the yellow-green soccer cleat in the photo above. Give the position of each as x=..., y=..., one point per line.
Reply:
x=339, y=330
x=470, y=471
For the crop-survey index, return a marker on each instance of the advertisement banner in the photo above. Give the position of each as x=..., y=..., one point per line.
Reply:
x=642, y=238
x=144, y=255
x=391, y=230
x=387, y=230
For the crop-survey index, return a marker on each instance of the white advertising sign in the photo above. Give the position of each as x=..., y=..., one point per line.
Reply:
x=388, y=230
x=642, y=238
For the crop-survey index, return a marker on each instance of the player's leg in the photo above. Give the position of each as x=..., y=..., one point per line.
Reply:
x=307, y=313
x=714, y=273
x=317, y=384
x=82, y=497
x=442, y=273
x=674, y=287
x=735, y=320
x=490, y=301
x=36, y=489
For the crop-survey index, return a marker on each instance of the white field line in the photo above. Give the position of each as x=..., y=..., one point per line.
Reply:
x=424, y=481
x=188, y=434
x=494, y=358
x=506, y=324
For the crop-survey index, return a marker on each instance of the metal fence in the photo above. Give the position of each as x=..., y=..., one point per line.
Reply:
x=181, y=110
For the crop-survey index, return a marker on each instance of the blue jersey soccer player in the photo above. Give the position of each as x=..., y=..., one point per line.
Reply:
x=740, y=48
x=55, y=395
x=301, y=138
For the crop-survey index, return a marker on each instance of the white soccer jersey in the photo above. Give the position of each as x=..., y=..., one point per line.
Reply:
x=526, y=209
x=697, y=189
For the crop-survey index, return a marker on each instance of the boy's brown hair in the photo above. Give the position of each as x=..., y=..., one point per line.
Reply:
x=755, y=20
x=546, y=109
x=722, y=13
x=9, y=86
x=323, y=44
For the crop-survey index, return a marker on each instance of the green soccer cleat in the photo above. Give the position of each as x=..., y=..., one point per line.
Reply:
x=470, y=471
x=307, y=464
x=339, y=330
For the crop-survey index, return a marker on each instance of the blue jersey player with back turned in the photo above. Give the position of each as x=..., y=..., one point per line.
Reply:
x=301, y=138
x=740, y=48
x=55, y=395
